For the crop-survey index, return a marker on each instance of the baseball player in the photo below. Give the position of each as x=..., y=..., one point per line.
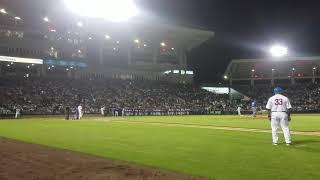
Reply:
x=239, y=110
x=103, y=108
x=80, y=113
x=278, y=113
x=254, y=108
x=18, y=113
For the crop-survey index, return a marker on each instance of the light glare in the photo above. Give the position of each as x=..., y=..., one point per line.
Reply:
x=278, y=51
x=137, y=41
x=46, y=19
x=3, y=11
x=112, y=10
x=80, y=24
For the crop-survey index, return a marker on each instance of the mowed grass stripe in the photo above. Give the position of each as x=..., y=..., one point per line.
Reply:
x=306, y=133
x=308, y=122
x=213, y=153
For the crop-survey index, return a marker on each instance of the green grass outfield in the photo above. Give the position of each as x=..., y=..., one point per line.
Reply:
x=220, y=154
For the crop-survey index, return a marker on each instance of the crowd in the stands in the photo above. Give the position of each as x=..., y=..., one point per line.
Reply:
x=304, y=97
x=44, y=96
x=52, y=96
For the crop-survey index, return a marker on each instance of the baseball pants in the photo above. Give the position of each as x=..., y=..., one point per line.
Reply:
x=280, y=119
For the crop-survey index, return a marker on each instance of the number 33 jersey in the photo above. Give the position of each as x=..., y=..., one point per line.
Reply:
x=278, y=103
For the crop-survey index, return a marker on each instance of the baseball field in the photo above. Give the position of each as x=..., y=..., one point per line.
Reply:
x=185, y=147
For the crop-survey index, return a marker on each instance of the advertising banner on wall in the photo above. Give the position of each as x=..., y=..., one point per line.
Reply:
x=66, y=63
x=20, y=60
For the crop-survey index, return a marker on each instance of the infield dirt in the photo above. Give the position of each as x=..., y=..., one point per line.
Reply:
x=23, y=161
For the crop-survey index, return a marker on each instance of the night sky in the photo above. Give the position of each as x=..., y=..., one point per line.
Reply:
x=244, y=29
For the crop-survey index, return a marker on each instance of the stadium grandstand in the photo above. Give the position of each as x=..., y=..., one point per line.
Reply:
x=273, y=70
x=255, y=78
x=51, y=61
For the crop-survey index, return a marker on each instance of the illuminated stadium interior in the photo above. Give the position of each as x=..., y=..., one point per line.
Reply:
x=135, y=48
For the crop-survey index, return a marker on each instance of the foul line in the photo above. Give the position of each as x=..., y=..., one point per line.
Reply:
x=215, y=127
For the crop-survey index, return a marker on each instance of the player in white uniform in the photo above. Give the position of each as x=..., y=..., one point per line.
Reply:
x=102, y=110
x=278, y=113
x=80, y=111
x=17, y=113
x=239, y=110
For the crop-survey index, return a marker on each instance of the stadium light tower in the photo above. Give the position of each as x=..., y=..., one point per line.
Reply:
x=278, y=51
x=112, y=10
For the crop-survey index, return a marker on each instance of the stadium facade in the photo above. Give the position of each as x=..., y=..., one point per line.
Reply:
x=286, y=70
x=137, y=50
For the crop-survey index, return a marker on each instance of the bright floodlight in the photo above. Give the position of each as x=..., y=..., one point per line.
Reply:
x=3, y=11
x=46, y=19
x=112, y=10
x=137, y=41
x=278, y=51
x=79, y=24
x=17, y=18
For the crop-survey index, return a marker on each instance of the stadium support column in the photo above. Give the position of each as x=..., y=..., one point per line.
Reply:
x=252, y=79
x=69, y=74
x=182, y=57
x=272, y=78
x=43, y=70
x=292, y=77
x=314, y=75
x=230, y=86
x=39, y=71
x=101, y=52
x=129, y=56
x=155, y=52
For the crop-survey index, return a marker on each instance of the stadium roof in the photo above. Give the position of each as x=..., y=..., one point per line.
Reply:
x=268, y=68
x=146, y=27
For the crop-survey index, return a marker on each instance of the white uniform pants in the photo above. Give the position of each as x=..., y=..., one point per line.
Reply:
x=80, y=114
x=280, y=118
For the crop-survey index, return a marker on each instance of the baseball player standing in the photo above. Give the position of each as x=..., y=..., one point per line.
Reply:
x=254, y=108
x=278, y=113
